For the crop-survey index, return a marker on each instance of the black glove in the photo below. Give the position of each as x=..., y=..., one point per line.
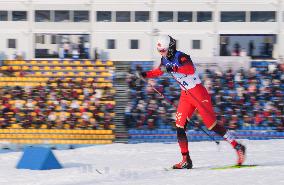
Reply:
x=140, y=75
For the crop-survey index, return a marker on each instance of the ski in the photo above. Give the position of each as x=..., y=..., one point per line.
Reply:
x=216, y=168
x=234, y=166
x=171, y=169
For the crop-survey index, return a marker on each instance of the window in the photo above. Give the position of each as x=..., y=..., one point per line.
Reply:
x=12, y=43
x=3, y=15
x=196, y=44
x=122, y=16
x=19, y=15
x=53, y=39
x=233, y=16
x=42, y=16
x=166, y=16
x=40, y=39
x=62, y=16
x=47, y=45
x=134, y=44
x=110, y=44
x=81, y=16
x=104, y=16
x=204, y=16
x=142, y=16
x=184, y=16
x=263, y=16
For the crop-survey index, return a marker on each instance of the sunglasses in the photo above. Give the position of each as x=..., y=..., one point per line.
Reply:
x=162, y=50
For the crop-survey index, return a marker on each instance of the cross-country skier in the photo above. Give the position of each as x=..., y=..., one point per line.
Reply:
x=193, y=96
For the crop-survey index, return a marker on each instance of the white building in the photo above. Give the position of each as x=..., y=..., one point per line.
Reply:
x=125, y=29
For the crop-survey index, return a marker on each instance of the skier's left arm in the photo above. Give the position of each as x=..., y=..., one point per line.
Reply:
x=186, y=65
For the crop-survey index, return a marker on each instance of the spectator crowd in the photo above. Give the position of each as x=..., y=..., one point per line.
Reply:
x=62, y=103
x=241, y=99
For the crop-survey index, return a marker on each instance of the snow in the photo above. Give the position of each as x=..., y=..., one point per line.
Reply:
x=143, y=164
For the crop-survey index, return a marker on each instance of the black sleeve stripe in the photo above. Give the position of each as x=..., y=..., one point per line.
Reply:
x=185, y=59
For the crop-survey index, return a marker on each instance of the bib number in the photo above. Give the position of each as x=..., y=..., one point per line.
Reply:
x=184, y=83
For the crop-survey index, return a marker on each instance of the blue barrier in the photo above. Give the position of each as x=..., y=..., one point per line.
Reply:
x=168, y=135
x=38, y=158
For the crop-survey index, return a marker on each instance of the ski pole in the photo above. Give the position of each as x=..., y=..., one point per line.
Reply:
x=189, y=121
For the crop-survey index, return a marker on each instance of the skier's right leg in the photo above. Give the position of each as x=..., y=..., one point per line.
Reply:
x=186, y=162
x=184, y=110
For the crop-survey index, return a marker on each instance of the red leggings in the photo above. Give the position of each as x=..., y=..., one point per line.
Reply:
x=195, y=98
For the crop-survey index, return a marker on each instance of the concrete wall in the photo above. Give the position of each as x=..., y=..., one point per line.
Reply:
x=122, y=32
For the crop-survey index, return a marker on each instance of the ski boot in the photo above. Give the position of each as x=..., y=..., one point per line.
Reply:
x=186, y=163
x=241, y=151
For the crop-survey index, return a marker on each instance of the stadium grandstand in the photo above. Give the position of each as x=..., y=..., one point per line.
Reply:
x=57, y=102
x=249, y=102
x=67, y=68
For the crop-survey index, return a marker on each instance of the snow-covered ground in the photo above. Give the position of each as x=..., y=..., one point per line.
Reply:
x=143, y=164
